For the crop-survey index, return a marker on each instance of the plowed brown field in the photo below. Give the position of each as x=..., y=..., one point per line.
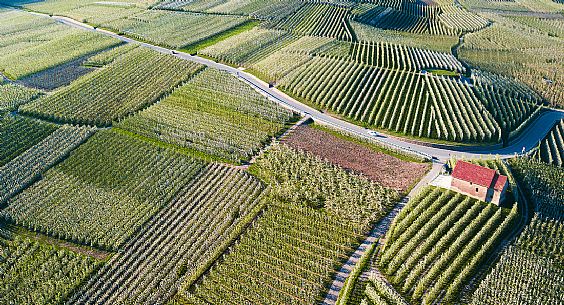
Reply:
x=381, y=168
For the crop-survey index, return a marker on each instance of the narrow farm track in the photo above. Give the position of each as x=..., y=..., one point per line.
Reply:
x=379, y=230
x=528, y=139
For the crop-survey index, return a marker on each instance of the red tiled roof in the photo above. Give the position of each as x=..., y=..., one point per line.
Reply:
x=476, y=174
x=499, y=182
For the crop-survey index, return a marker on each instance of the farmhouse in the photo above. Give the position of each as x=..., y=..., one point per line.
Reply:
x=479, y=182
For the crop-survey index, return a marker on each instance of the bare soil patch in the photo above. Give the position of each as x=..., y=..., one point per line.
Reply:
x=381, y=168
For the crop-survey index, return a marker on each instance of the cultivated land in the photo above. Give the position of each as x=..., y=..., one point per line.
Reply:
x=279, y=152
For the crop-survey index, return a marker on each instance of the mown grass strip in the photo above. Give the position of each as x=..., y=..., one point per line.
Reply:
x=195, y=47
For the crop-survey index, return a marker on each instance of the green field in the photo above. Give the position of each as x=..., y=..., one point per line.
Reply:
x=29, y=44
x=131, y=82
x=214, y=113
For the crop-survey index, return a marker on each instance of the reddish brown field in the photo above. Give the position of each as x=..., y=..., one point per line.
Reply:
x=381, y=168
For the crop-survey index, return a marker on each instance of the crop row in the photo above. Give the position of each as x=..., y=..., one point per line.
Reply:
x=23, y=169
x=12, y=95
x=393, y=99
x=551, y=148
x=29, y=44
x=178, y=241
x=161, y=27
x=103, y=192
x=214, y=113
x=394, y=56
x=378, y=292
x=17, y=134
x=530, y=270
x=319, y=19
x=393, y=19
x=35, y=273
x=248, y=47
x=314, y=216
x=130, y=83
x=509, y=109
x=438, y=241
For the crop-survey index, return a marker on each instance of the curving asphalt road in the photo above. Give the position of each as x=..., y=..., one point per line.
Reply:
x=527, y=140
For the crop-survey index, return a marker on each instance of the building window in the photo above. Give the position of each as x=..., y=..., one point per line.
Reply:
x=476, y=190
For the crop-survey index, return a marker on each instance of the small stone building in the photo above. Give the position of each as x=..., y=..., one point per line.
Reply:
x=479, y=182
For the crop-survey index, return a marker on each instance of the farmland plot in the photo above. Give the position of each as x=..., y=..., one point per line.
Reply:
x=103, y=192
x=98, y=13
x=248, y=47
x=393, y=99
x=521, y=52
x=437, y=242
x=179, y=241
x=310, y=226
x=36, y=273
x=319, y=19
x=17, y=134
x=29, y=44
x=117, y=91
x=379, y=167
x=13, y=95
x=214, y=113
x=29, y=165
x=162, y=27
x=530, y=270
x=551, y=149
x=395, y=56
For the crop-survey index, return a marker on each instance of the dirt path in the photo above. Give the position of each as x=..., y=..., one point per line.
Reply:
x=380, y=228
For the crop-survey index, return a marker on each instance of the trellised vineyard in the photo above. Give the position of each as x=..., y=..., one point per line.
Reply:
x=179, y=241
x=438, y=241
x=119, y=182
x=214, y=113
x=319, y=19
x=107, y=57
x=12, y=96
x=248, y=47
x=17, y=134
x=160, y=27
x=530, y=270
x=393, y=56
x=394, y=99
x=131, y=82
x=289, y=254
x=22, y=53
x=34, y=273
x=29, y=165
x=551, y=149
x=175, y=152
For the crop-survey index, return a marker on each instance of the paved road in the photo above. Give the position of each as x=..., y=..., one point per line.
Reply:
x=528, y=139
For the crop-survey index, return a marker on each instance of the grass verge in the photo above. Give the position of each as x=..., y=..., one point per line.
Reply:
x=195, y=47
